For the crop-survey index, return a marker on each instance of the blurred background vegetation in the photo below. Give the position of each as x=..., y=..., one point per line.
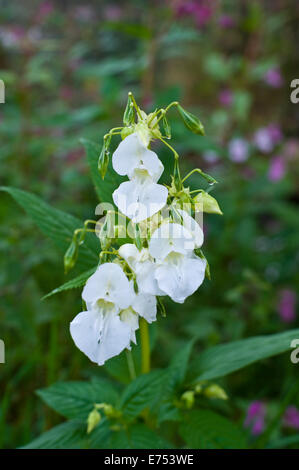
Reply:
x=67, y=67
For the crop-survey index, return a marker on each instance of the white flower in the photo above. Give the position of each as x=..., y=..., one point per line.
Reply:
x=139, y=200
x=170, y=237
x=179, y=272
x=143, y=266
x=193, y=227
x=180, y=276
x=101, y=332
x=134, y=159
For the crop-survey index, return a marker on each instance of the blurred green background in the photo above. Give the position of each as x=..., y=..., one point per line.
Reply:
x=67, y=68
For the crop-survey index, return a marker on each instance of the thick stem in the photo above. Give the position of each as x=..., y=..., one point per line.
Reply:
x=145, y=346
x=131, y=365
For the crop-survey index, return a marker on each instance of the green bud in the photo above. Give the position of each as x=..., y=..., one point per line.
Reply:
x=188, y=398
x=166, y=127
x=161, y=307
x=214, y=391
x=138, y=241
x=71, y=255
x=93, y=420
x=105, y=233
x=104, y=156
x=129, y=115
x=208, y=202
x=191, y=122
x=126, y=131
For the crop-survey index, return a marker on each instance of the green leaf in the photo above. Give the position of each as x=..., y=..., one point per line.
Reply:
x=56, y=224
x=69, y=435
x=78, y=281
x=104, y=188
x=138, y=437
x=76, y=399
x=204, y=429
x=142, y=393
x=177, y=369
x=221, y=360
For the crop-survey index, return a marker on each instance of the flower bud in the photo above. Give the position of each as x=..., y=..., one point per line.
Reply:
x=188, y=398
x=129, y=114
x=70, y=256
x=166, y=127
x=191, y=122
x=214, y=391
x=93, y=420
x=104, y=157
x=126, y=131
x=208, y=202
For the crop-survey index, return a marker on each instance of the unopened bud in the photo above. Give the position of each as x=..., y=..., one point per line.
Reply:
x=208, y=202
x=93, y=420
x=70, y=256
x=191, y=122
x=188, y=398
x=215, y=391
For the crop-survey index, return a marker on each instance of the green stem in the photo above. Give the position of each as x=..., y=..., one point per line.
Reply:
x=145, y=346
x=131, y=365
x=209, y=178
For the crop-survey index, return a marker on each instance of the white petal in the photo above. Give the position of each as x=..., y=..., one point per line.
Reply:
x=130, y=318
x=168, y=238
x=109, y=283
x=146, y=280
x=86, y=330
x=130, y=253
x=179, y=276
x=193, y=227
x=132, y=155
x=139, y=201
x=116, y=336
x=143, y=266
x=146, y=306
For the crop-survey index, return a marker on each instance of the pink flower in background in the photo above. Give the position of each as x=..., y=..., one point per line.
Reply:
x=84, y=13
x=287, y=305
x=238, y=150
x=275, y=133
x=277, y=168
x=199, y=9
x=45, y=10
x=273, y=77
x=226, y=21
x=255, y=418
x=263, y=140
x=210, y=156
x=225, y=97
x=113, y=12
x=291, y=417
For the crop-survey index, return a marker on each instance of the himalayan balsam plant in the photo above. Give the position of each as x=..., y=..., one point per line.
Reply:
x=146, y=246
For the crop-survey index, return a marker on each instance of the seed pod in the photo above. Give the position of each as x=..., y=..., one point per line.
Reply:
x=166, y=127
x=71, y=255
x=129, y=114
x=208, y=202
x=191, y=122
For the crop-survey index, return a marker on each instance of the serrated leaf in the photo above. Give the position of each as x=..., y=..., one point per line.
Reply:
x=104, y=188
x=204, y=429
x=141, y=393
x=177, y=370
x=56, y=224
x=221, y=360
x=69, y=435
x=76, y=399
x=78, y=281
